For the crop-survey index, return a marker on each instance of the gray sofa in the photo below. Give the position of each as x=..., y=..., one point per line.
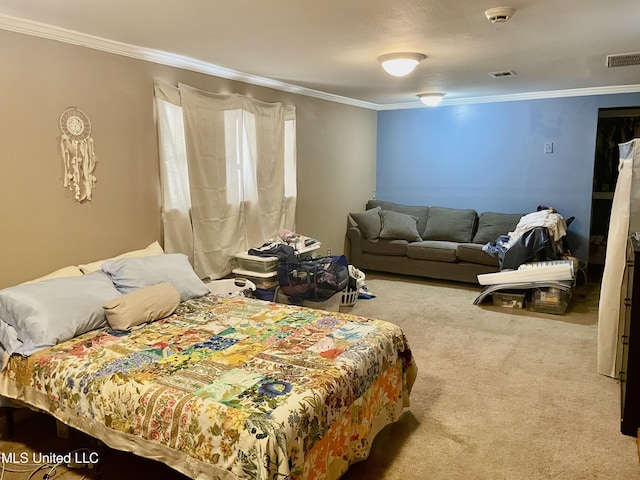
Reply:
x=434, y=242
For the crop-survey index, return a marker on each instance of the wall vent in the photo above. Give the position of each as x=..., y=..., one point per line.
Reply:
x=623, y=60
x=507, y=73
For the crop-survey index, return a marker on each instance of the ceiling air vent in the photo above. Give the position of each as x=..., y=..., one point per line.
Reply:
x=507, y=73
x=623, y=60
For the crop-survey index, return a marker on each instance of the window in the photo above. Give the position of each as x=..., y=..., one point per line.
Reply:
x=228, y=174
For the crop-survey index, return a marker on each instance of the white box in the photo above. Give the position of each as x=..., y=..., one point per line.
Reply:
x=311, y=249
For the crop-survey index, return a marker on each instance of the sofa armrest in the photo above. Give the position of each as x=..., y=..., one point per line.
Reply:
x=354, y=240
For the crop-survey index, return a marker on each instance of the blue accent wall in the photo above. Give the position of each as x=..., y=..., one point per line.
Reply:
x=491, y=157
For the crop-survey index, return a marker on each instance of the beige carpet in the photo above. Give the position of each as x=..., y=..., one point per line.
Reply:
x=500, y=394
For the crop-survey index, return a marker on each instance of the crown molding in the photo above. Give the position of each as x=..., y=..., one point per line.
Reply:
x=51, y=32
x=514, y=97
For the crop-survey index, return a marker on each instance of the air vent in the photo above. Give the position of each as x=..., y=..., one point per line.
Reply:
x=623, y=60
x=507, y=73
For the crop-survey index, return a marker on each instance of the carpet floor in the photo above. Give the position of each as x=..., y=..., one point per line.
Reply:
x=500, y=394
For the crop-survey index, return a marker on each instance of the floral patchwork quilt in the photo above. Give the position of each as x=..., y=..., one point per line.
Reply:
x=229, y=388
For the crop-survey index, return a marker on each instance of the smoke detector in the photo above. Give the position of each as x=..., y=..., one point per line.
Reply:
x=499, y=14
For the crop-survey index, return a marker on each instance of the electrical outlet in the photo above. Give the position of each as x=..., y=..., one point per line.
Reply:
x=548, y=147
x=373, y=195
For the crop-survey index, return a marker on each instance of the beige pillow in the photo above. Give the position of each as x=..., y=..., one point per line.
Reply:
x=141, y=306
x=153, y=249
x=70, y=271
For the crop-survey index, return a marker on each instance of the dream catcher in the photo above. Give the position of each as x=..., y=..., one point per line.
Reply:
x=78, y=155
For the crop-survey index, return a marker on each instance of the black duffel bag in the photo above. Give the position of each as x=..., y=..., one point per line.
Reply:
x=317, y=279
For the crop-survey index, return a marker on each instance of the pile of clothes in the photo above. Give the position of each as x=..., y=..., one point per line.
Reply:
x=301, y=275
x=286, y=246
x=538, y=235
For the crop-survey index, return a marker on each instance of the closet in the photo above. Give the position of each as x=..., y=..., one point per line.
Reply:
x=615, y=126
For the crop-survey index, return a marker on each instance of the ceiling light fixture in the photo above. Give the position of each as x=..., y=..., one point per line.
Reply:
x=431, y=99
x=400, y=64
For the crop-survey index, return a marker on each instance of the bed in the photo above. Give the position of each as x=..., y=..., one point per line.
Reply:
x=222, y=388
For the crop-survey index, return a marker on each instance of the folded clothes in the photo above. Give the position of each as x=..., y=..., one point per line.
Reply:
x=296, y=240
x=285, y=253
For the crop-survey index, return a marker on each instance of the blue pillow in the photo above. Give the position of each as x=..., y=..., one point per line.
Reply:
x=48, y=312
x=129, y=274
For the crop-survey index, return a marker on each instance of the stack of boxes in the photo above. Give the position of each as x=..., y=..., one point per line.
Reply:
x=263, y=271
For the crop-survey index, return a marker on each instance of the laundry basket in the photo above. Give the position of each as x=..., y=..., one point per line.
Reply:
x=317, y=279
x=231, y=287
x=349, y=297
x=350, y=294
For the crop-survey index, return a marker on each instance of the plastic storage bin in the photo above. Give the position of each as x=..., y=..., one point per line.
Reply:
x=508, y=300
x=550, y=300
x=255, y=263
x=261, y=280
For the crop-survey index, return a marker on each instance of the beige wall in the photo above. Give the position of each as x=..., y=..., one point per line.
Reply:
x=41, y=226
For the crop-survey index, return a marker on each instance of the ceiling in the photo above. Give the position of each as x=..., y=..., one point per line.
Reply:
x=329, y=48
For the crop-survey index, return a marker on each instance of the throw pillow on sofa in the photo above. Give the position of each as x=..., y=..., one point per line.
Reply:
x=450, y=224
x=399, y=226
x=491, y=225
x=422, y=212
x=369, y=222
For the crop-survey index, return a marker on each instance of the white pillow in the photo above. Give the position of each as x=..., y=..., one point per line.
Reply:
x=153, y=249
x=70, y=271
x=141, y=306
x=129, y=274
x=46, y=313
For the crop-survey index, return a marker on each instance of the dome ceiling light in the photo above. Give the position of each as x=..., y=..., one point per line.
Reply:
x=431, y=99
x=400, y=64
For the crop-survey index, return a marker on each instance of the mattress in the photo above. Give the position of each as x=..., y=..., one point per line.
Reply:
x=228, y=388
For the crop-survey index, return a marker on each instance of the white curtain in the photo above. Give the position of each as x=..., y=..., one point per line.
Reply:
x=625, y=217
x=228, y=173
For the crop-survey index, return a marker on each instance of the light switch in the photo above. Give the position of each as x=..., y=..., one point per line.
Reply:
x=548, y=147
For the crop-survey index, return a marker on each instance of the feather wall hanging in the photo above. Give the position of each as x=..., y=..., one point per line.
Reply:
x=78, y=153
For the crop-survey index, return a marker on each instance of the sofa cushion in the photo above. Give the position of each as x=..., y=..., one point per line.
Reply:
x=433, y=250
x=385, y=247
x=450, y=224
x=491, y=225
x=417, y=211
x=369, y=222
x=473, y=253
x=399, y=226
